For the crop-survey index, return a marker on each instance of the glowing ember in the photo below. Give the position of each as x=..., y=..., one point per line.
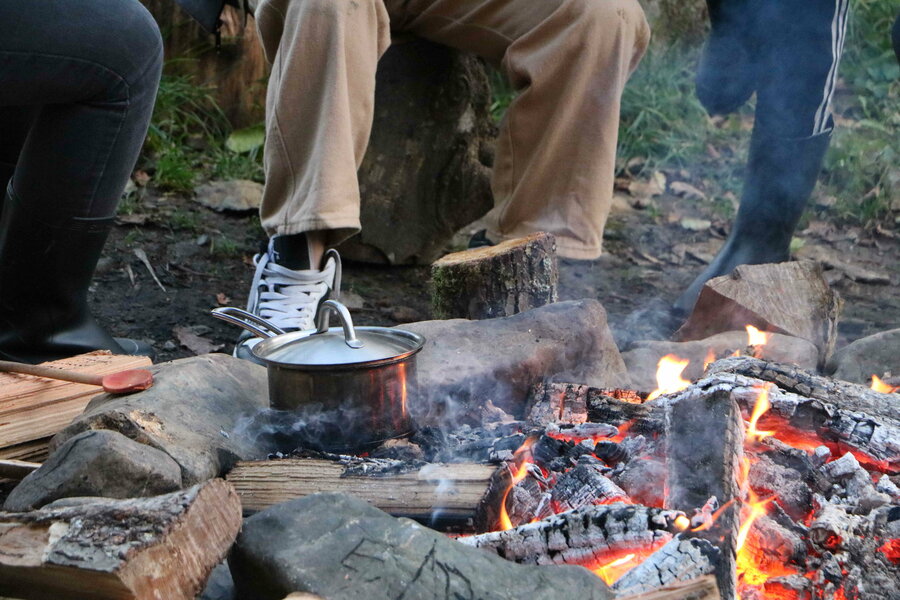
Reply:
x=682, y=522
x=762, y=406
x=668, y=376
x=611, y=572
x=891, y=549
x=879, y=386
x=523, y=458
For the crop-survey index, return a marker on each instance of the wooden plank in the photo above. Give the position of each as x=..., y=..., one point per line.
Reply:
x=449, y=492
x=35, y=451
x=32, y=408
x=17, y=469
x=136, y=549
x=703, y=588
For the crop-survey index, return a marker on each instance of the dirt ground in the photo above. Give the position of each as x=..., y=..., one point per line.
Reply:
x=203, y=260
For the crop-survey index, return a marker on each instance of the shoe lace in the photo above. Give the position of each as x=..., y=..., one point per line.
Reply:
x=289, y=299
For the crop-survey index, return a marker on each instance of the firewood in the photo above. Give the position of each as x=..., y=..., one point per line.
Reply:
x=140, y=549
x=584, y=536
x=16, y=469
x=496, y=281
x=791, y=298
x=448, y=492
x=33, y=409
x=680, y=560
x=703, y=588
x=564, y=403
x=704, y=448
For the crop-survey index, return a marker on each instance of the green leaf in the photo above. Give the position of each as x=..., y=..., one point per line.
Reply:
x=247, y=139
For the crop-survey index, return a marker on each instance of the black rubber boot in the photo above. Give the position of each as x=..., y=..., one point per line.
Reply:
x=726, y=72
x=45, y=271
x=781, y=175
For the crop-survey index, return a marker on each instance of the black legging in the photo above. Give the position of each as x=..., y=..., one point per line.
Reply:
x=77, y=86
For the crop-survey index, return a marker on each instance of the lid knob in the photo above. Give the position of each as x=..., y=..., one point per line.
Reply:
x=324, y=318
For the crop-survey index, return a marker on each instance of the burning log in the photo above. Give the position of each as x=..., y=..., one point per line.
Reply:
x=703, y=588
x=448, y=492
x=791, y=298
x=141, y=549
x=704, y=449
x=585, y=485
x=496, y=281
x=585, y=536
x=678, y=560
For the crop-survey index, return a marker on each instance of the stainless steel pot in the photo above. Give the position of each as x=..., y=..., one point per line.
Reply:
x=351, y=386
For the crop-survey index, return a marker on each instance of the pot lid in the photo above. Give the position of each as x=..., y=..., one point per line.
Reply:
x=331, y=348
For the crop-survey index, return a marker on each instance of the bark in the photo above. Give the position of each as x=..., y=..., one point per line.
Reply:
x=142, y=549
x=496, y=281
x=679, y=560
x=581, y=537
x=426, y=172
x=446, y=493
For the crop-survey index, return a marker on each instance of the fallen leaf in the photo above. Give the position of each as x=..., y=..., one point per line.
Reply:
x=222, y=299
x=194, y=342
x=135, y=219
x=686, y=190
x=695, y=224
x=247, y=139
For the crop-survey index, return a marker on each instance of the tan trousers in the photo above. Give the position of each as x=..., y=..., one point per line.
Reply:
x=555, y=159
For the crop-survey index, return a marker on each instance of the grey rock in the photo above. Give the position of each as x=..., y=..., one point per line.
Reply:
x=643, y=357
x=97, y=463
x=874, y=355
x=466, y=363
x=342, y=548
x=219, y=586
x=235, y=195
x=191, y=413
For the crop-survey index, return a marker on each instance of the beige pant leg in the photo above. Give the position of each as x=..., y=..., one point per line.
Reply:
x=569, y=60
x=319, y=108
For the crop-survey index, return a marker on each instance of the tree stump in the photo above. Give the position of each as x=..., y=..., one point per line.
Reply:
x=427, y=170
x=496, y=281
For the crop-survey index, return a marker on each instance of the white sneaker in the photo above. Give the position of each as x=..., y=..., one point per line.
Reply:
x=286, y=298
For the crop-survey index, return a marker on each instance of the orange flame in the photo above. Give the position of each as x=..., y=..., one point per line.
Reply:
x=710, y=358
x=611, y=572
x=668, y=376
x=755, y=337
x=520, y=473
x=759, y=409
x=879, y=386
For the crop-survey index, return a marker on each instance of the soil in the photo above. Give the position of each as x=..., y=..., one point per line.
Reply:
x=203, y=259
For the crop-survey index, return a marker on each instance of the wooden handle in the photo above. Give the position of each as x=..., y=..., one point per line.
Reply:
x=50, y=373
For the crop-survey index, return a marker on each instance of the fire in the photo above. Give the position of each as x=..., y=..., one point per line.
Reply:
x=755, y=337
x=710, y=359
x=879, y=386
x=762, y=406
x=611, y=572
x=891, y=549
x=668, y=376
x=524, y=458
x=682, y=522
x=748, y=569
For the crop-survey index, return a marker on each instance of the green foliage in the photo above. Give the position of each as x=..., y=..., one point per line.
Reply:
x=174, y=170
x=248, y=139
x=184, y=109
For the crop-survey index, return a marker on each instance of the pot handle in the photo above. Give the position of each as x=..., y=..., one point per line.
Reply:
x=246, y=320
x=333, y=306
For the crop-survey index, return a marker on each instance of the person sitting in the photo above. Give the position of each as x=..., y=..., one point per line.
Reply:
x=78, y=82
x=787, y=52
x=567, y=59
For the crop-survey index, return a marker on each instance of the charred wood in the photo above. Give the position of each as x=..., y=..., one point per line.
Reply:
x=585, y=485
x=583, y=536
x=703, y=588
x=680, y=559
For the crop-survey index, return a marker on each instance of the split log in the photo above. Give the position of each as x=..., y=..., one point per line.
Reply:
x=446, y=493
x=17, y=469
x=570, y=403
x=679, y=560
x=33, y=409
x=703, y=588
x=141, y=549
x=496, y=281
x=791, y=298
x=582, y=537
x=704, y=448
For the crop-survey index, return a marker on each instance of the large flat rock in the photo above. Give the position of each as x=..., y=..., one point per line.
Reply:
x=877, y=354
x=192, y=413
x=341, y=548
x=466, y=363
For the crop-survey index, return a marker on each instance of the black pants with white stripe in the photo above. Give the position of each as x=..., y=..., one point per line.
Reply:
x=798, y=44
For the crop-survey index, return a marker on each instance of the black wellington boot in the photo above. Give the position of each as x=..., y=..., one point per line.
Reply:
x=726, y=72
x=45, y=271
x=781, y=175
